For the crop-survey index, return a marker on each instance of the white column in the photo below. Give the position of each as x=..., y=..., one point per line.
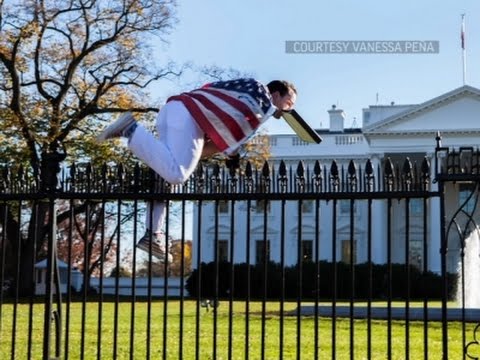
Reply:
x=434, y=263
x=326, y=220
x=379, y=221
x=434, y=235
x=240, y=239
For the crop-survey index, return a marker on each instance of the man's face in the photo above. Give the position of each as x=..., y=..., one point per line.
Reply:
x=283, y=103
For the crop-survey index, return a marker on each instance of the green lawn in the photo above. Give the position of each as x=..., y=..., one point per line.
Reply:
x=133, y=335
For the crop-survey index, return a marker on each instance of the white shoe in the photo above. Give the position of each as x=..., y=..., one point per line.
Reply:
x=117, y=128
x=152, y=242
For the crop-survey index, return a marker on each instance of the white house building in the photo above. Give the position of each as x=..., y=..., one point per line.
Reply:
x=394, y=131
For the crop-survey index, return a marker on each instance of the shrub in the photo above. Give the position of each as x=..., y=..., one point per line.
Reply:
x=373, y=281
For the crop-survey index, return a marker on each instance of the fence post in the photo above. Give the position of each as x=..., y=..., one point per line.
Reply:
x=49, y=182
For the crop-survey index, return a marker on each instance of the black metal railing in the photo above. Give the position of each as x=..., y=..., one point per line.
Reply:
x=292, y=260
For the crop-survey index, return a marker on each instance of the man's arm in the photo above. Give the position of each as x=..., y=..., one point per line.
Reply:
x=209, y=149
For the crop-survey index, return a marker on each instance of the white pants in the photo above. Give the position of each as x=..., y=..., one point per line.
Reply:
x=174, y=155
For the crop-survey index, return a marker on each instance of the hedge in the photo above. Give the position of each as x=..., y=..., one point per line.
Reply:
x=385, y=281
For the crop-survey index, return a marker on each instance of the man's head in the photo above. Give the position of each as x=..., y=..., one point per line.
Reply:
x=284, y=95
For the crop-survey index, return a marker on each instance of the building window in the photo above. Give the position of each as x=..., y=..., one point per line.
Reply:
x=260, y=251
x=262, y=206
x=307, y=206
x=299, y=142
x=344, y=207
x=222, y=250
x=307, y=250
x=347, y=251
x=223, y=207
x=465, y=197
x=416, y=207
x=416, y=252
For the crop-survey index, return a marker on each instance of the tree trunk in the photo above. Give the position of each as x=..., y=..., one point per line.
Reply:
x=8, y=244
x=34, y=247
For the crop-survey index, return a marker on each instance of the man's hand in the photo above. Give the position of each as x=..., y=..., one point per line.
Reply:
x=233, y=162
x=277, y=114
x=209, y=149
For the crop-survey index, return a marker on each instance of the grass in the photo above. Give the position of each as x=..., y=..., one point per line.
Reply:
x=136, y=332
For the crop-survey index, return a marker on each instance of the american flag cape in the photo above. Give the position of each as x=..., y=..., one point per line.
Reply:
x=229, y=112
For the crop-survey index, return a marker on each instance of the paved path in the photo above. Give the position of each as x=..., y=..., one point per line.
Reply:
x=397, y=313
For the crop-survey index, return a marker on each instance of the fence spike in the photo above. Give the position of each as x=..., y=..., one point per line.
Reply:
x=120, y=176
x=282, y=169
x=407, y=167
x=248, y=170
x=216, y=170
x=73, y=175
x=334, y=176
x=199, y=174
x=334, y=169
x=352, y=169
x=104, y=171
x=369, y=168
x=73, y=171
x=215, y=178
x=233, y=172
x=20, y=174
x=199, y=177
x=425, y=169
x=389, y=174
x=266, y=170
x=369, y=175
x=317, y=175
x=200, y=170
x=317, y=169
x=282, y=176
x=389, y=171
x=4, y=182
x=407, y=173
x=88, y=172
x=265, y=178
x=300, y=169
x=248, y=177
x=300, y=176
x=352, y=175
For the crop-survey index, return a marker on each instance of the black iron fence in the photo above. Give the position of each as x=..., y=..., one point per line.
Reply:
x=291, y=261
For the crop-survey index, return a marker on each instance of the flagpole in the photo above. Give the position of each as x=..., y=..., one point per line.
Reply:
x=464, y=57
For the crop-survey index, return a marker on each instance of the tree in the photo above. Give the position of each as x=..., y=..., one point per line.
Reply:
x=87, y=239
x=65, y=67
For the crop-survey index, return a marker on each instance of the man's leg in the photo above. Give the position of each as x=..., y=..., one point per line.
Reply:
x=174, y=156
x=177, y=151
x=155, y=215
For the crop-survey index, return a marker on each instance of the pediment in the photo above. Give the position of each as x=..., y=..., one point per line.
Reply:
x=456, y=111
x=345, y=229
x=222, y=229
x=260, y=230
x=306, y=229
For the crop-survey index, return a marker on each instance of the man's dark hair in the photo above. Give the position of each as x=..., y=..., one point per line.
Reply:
x=281, y=86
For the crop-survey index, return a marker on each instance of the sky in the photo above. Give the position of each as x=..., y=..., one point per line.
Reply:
x=250, y=36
